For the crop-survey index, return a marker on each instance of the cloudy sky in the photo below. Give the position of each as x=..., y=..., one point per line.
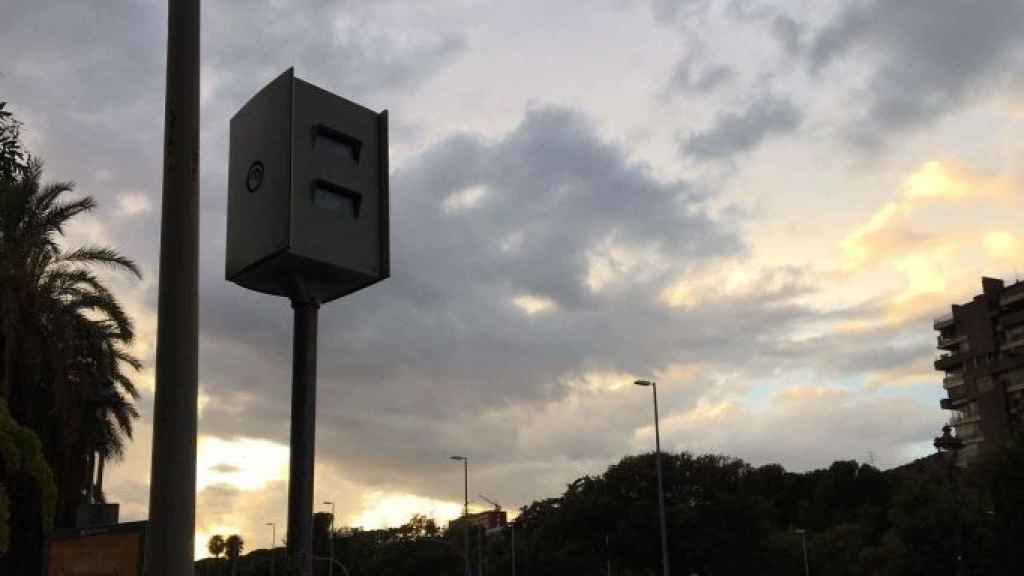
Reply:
x=761, y=205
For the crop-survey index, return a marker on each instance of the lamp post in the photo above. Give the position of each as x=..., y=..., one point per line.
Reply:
x=513, y=525
x=330, y=539
x=273, y=539
x=661, y=491
x=465, y=506
x=952, y=445
x=803, y=543
x=607, y=554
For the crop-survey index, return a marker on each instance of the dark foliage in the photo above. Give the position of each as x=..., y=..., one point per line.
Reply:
x=726, y=517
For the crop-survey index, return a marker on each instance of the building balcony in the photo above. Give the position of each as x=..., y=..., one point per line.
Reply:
x=944, y=321
x=1015, y=381
x=948, y=342
x=967, y=427
x=952, y=403
x=967, y=431
x=958, y=395
x=953, y=381
x=1014, y=341
x=1012, y=295
x=1009, y=319
x=949, y=361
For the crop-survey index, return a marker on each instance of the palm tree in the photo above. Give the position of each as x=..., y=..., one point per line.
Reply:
x=216, y=545
x=12, y=157
x=64, y=336
x=233, y=547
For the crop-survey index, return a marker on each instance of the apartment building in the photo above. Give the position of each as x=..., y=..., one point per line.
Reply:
x=981, y=346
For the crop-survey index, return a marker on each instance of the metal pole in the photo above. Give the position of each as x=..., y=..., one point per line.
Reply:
x=465, y=510
x=803, y=541
x=608, y=554
x=661, y=492
x=273, y=538
x=480, y=552
x=172, y=488
x=303, y=429
x=513, y=548
x=330, y=571
x=99, y=474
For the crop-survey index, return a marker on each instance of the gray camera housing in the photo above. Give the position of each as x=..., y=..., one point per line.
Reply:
x=307, y=193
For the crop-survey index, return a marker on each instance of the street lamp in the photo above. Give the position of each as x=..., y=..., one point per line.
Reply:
x=513, y=525
x=803, y=542
x=273, y=538
x=952, y=445
x=330, y=541
x=661, y=491
x=465, y=506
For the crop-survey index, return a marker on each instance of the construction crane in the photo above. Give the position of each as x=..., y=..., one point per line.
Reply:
x=497, y=507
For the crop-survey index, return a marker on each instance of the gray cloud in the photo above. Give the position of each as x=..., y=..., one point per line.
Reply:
x=689, y=78
x=88, y=80
x=786, y=30
x=416, y=363
x=436, y=359
x=931, y=56
x=807, y=429
x=225, y=468
x=671, y=11
x=736, y=132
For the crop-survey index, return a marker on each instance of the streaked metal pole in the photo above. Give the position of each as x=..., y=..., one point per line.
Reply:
x=608, y=554
x=465, y=508
x=330, y=541
x=170, y=543
x=303, y=434
x=273, y=538
x=513, y=548
x=803, y=543
x=661, y=491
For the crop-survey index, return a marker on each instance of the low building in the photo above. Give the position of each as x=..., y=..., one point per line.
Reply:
x=488, y=520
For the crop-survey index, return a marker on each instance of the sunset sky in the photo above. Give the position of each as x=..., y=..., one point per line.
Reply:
x=761, y=205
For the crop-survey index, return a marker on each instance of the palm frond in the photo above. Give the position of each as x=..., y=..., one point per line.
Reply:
x=101, y=255
x=58, y=215
x=48, y=194
x=128, y=359
x=108, y=306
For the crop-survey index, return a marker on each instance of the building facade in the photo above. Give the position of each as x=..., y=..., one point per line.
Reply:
x=981, y=345
x=488, y=520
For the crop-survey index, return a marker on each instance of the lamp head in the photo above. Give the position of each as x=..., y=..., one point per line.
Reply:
x=458, y=458
x=643, y=382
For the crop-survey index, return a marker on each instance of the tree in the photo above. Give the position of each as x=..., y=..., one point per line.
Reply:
x=216, y=545
x=64, y=337
x=233, y=546
x=22, y=465
x=12, y=157
x=999, y=476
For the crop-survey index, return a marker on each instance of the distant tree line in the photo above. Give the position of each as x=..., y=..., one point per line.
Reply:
x=727, y=517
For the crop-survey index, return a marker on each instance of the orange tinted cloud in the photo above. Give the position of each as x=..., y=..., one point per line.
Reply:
x=894, y=230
